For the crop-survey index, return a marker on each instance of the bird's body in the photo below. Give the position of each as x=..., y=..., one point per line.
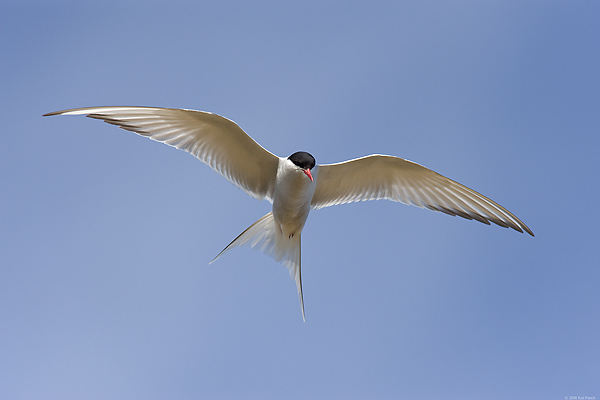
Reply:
x=292, y=198
x=296, y=184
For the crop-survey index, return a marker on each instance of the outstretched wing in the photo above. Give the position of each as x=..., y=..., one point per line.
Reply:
x=385, y=177
x=217, y=141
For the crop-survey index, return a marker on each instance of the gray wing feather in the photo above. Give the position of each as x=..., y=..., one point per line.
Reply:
x=214, y=140
x=386, y=177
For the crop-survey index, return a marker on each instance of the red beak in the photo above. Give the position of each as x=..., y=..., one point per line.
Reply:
x=307, y=172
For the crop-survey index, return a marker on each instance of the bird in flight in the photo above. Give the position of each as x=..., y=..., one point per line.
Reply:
x=297, y=184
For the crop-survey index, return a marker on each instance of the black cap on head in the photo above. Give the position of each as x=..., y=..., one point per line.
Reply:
x=303, y=160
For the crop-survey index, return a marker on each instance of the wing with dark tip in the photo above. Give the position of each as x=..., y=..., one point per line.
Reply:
x=217, y=141
x=385, y=177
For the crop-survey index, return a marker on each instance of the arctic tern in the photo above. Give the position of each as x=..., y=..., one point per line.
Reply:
x=296, y=184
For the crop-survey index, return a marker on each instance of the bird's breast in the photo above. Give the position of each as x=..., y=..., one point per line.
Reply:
x=291, y=201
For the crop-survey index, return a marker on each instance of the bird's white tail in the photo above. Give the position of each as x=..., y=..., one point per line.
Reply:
x=266, y=236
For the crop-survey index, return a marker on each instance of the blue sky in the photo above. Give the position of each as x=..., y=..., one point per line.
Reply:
x=105, y=236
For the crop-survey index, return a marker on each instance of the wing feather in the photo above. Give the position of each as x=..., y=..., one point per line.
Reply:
x=217, y=141
x=386, y=177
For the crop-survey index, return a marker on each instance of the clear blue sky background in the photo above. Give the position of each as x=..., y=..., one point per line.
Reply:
x=105, y=236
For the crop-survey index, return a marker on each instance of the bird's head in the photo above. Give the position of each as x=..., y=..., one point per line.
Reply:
x=304, y=161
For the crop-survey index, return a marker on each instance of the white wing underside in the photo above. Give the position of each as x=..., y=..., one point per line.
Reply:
x=386, y=177
x=217, y=141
